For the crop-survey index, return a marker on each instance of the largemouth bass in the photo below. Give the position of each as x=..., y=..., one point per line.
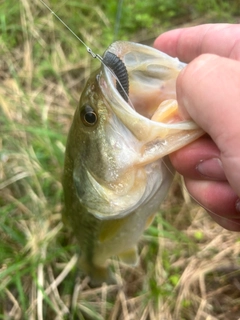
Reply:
x=116, y=170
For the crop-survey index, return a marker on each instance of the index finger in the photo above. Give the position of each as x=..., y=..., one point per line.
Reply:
x=188, y=43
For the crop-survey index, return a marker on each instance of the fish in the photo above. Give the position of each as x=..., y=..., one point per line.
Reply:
x=116, y=170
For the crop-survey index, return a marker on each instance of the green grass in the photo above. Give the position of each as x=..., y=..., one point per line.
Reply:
x=188, y=264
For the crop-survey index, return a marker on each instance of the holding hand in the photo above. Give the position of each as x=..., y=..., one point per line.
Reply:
x=208, y=91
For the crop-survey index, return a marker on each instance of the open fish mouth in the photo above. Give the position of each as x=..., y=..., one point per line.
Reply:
x=148, y=108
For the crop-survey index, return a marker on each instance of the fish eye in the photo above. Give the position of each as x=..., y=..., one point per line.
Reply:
x=88, y=115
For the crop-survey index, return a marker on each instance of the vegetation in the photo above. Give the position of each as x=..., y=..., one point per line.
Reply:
x=189, y=266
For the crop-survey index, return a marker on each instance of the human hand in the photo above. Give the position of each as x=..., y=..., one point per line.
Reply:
x=208, y=91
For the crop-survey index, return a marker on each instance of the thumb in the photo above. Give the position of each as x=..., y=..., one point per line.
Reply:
x=208, y=91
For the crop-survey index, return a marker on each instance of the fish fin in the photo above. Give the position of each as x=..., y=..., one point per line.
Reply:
x=129, y=256
x=150, y=220
x=110, y=228
x=98, y=274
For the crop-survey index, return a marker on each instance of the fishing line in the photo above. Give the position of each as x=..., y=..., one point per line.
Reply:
x=94, y=55
x=118, y=18
x=89, y=50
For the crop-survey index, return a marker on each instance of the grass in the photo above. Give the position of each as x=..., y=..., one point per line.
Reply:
x=189, y=266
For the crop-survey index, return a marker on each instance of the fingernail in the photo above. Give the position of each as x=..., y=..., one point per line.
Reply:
x=211, y=168
x=238, y=205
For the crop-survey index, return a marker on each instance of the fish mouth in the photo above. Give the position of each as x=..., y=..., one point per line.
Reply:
x=149, y=109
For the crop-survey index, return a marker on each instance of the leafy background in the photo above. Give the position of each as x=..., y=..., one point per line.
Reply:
x=189, y=266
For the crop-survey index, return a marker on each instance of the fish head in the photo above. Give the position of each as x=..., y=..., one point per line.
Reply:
x=118, y=140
